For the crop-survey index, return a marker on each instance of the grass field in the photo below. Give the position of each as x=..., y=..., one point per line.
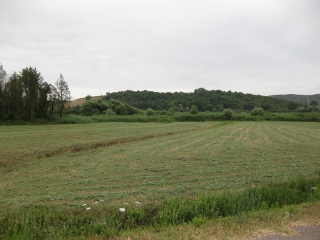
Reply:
x=70, y=165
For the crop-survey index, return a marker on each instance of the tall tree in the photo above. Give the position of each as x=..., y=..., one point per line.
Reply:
x=43, y=103
x=31, y=80
x=3, y=76
x=15, y=97
x=52, y=98
x=63, y=93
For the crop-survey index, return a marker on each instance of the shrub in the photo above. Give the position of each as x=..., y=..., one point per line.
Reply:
x=109, y=112
x=194, y=109
x=170, y=111
x=150, y=111
x=227, y=114
x=197, y=221
x=257, y=112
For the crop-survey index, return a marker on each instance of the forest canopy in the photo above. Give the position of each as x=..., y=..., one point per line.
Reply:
x=26, y=96
x=205, y=100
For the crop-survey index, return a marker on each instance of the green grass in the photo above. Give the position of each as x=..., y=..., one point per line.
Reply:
x=20, y=142
x=51, y=222
x=65, y=166
x=179, y=159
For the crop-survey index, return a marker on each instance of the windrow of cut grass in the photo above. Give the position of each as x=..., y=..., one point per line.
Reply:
x=18, y=143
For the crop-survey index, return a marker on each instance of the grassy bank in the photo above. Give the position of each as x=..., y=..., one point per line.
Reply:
x=44, y=222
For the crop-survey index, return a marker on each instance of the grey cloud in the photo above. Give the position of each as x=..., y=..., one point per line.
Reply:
x=261, y=47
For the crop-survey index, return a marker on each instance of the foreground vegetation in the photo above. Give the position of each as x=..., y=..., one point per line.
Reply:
x=51, y=222
x=216, y=169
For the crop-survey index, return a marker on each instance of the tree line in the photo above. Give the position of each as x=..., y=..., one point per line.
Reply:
x=26, y=96
x=204, y=100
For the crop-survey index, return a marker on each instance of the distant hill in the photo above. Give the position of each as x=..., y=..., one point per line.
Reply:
x=301, y=99
x=80, y=101
x=205, y=100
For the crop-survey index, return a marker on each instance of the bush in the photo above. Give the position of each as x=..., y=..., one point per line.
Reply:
x=150, y=112
x=257, y=112
x=170, y=111
x=227, y=114
x=109, y=112
x=194, y=109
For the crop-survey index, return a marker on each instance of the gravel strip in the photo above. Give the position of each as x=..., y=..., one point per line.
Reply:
x=305, y=233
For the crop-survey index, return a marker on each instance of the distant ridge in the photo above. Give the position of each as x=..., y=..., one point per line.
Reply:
x=204, y=100
x=301, y=99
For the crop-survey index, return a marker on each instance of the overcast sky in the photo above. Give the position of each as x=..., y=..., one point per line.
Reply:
x=261, y=47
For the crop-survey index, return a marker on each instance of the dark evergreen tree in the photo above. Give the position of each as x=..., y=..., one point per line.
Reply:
x=31, y=81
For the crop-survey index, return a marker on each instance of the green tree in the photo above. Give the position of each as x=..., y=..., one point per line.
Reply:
x=86, y=108
x=170, y=111
x=181, y=108
x=228, y=114
x=3, y=76
x=52, y=99
x=314, y=103
x=150, y=111
x=194, y=109
x=293, y=105
x=257, y=112
x=31, y=81
x=63, y=93
x=15, y=97
x=43, y=103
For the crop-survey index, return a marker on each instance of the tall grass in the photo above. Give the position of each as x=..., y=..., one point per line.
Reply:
x=187, y=117
x=43, y=222
x=176, y=117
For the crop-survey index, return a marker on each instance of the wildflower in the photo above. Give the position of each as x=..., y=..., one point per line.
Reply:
x=138, y=203
x=126, y=203
x=101, y=200
x=88, y=208
x=122, y=209
x=96, y=202
x=83, y=205
x=313, y=188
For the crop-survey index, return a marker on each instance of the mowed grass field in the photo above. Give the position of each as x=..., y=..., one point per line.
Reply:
x=70, y=165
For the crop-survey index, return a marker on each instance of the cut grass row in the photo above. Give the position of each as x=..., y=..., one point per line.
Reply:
x=21, y=142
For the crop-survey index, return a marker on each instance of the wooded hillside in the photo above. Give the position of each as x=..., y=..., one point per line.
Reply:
x=301, y=99
x=205, y=100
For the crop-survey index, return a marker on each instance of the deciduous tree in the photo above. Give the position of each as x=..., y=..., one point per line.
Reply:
x=63, y=93
x=3, y=76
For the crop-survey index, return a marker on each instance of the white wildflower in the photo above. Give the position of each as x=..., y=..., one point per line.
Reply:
x=122, y=209
x=101, y=200
x=138, y=203
x=313, y=188
x=96, y=202
x=126, y=203
x=88, y=208
x=83, y=205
